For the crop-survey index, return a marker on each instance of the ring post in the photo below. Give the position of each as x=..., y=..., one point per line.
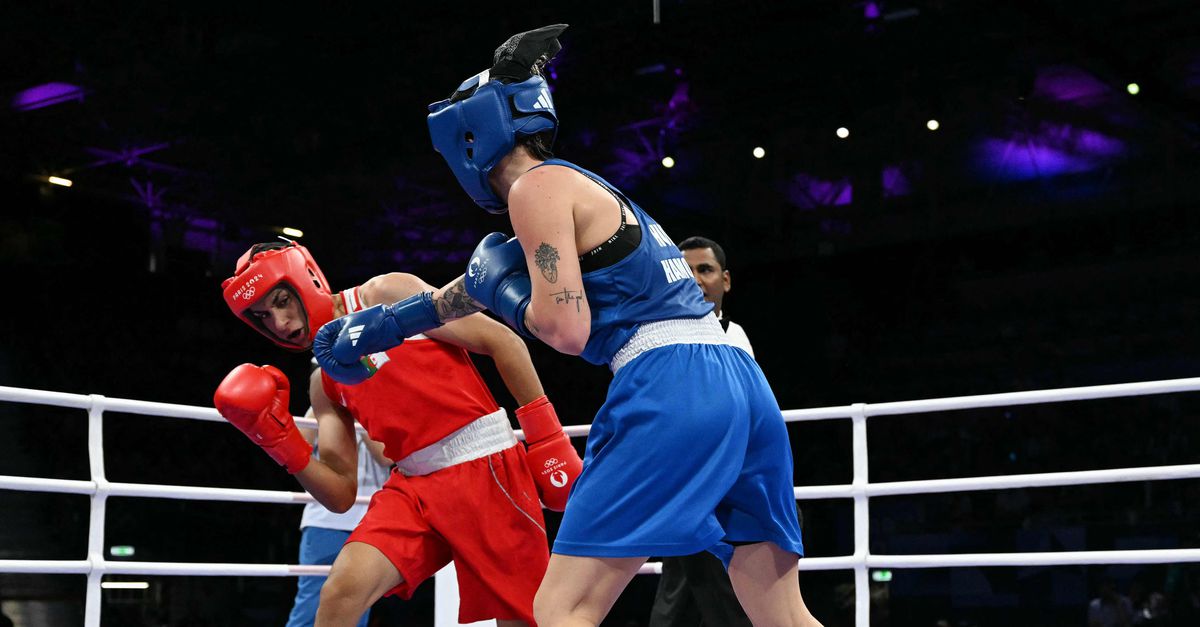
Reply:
x=862, y=517
x=96, y=523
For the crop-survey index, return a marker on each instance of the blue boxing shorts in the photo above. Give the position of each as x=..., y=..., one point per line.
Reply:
x=688, y=453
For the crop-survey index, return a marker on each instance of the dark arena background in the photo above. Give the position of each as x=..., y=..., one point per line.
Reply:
x=918, y=199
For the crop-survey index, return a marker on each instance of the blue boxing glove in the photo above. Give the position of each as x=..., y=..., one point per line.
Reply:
x=498, y=279
x=341, y=344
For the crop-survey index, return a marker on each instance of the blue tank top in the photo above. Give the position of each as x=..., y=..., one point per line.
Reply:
x=651, y=283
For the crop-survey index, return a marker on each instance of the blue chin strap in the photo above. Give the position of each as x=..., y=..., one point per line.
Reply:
x=473, y=133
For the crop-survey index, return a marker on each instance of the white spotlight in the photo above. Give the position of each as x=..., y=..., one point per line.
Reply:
x=668, y=162
x=759, y=153
x=1133, y=89
x=60, y=181
x=290, y=232
x=843, y=132
x=932, y=125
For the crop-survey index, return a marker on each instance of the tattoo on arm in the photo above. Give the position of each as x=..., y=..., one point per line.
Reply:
x=566, y=296
x=546, y=258
x=455, y=303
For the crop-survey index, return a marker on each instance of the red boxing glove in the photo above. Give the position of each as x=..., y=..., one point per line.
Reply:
x=551, y=458
x=255, y=400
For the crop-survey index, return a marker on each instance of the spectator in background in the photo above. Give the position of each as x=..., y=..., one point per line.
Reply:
x=1110, y=608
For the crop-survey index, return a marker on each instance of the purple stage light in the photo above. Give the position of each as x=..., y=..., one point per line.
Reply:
x=1057, y=150
x=871, y=11
x=45, y=95
x=202, y=240
x=1064, y=83
x=679, y=97
x=1022, y=160
x=808, y=192
x=895, y=182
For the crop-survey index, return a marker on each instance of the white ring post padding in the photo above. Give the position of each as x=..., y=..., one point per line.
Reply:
x=192, y=493
x=818, y=413
x=38, y=484
x=1036, y=396
x=128, y=406
x=95, y=548
x=1044, y=558
x=50, y=567
x=1005, y=482
x=1048, y=558
x=1081, y=477
x=573, y=431
x=813, y=492
x=862, y=515
x=181, y=492
x=42, y=397
x=84, y=567
x=194, y=568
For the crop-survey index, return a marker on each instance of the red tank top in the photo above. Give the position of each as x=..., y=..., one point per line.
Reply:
x=427, y=390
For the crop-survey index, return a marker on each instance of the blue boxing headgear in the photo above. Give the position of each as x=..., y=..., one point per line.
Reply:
x=480, y=124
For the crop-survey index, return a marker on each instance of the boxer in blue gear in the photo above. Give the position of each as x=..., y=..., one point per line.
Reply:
x=689, y=451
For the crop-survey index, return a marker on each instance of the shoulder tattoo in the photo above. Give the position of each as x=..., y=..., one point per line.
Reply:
x=546, y=258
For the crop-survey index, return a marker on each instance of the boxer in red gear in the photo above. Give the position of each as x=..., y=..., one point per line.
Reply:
x=461, y=490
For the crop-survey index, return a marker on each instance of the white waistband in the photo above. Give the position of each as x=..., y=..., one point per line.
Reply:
x=706, y=330
x=489, y=434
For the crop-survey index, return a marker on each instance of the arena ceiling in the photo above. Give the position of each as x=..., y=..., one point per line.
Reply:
x=225, y=122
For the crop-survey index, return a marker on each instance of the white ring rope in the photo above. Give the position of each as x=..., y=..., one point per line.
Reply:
x=860, y=490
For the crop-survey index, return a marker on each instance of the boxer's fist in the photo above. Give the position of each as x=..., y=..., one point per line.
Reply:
x=255, y=400
x=552, y=460
x=498, y=278
x=341, y=344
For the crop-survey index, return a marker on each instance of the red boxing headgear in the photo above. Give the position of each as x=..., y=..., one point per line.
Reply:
x=284, y=264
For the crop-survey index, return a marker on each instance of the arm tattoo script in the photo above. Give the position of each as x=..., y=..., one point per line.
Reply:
x=546, y=258
x=455, y=303
x=566, y=296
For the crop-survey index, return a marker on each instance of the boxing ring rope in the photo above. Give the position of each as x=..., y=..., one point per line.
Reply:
x=860, y=490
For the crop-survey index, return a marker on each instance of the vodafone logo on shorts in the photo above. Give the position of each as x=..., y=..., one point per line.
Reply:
x=558, y=478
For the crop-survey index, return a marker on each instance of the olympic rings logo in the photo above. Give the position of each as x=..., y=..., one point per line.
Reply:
x=477, y=271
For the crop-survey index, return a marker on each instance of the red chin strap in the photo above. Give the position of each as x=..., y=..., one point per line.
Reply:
x=267, y=266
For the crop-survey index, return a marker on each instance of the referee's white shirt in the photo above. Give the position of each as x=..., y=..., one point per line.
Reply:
x=737, y=335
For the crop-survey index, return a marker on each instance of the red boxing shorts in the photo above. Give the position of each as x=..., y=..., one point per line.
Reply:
x=484, y=514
